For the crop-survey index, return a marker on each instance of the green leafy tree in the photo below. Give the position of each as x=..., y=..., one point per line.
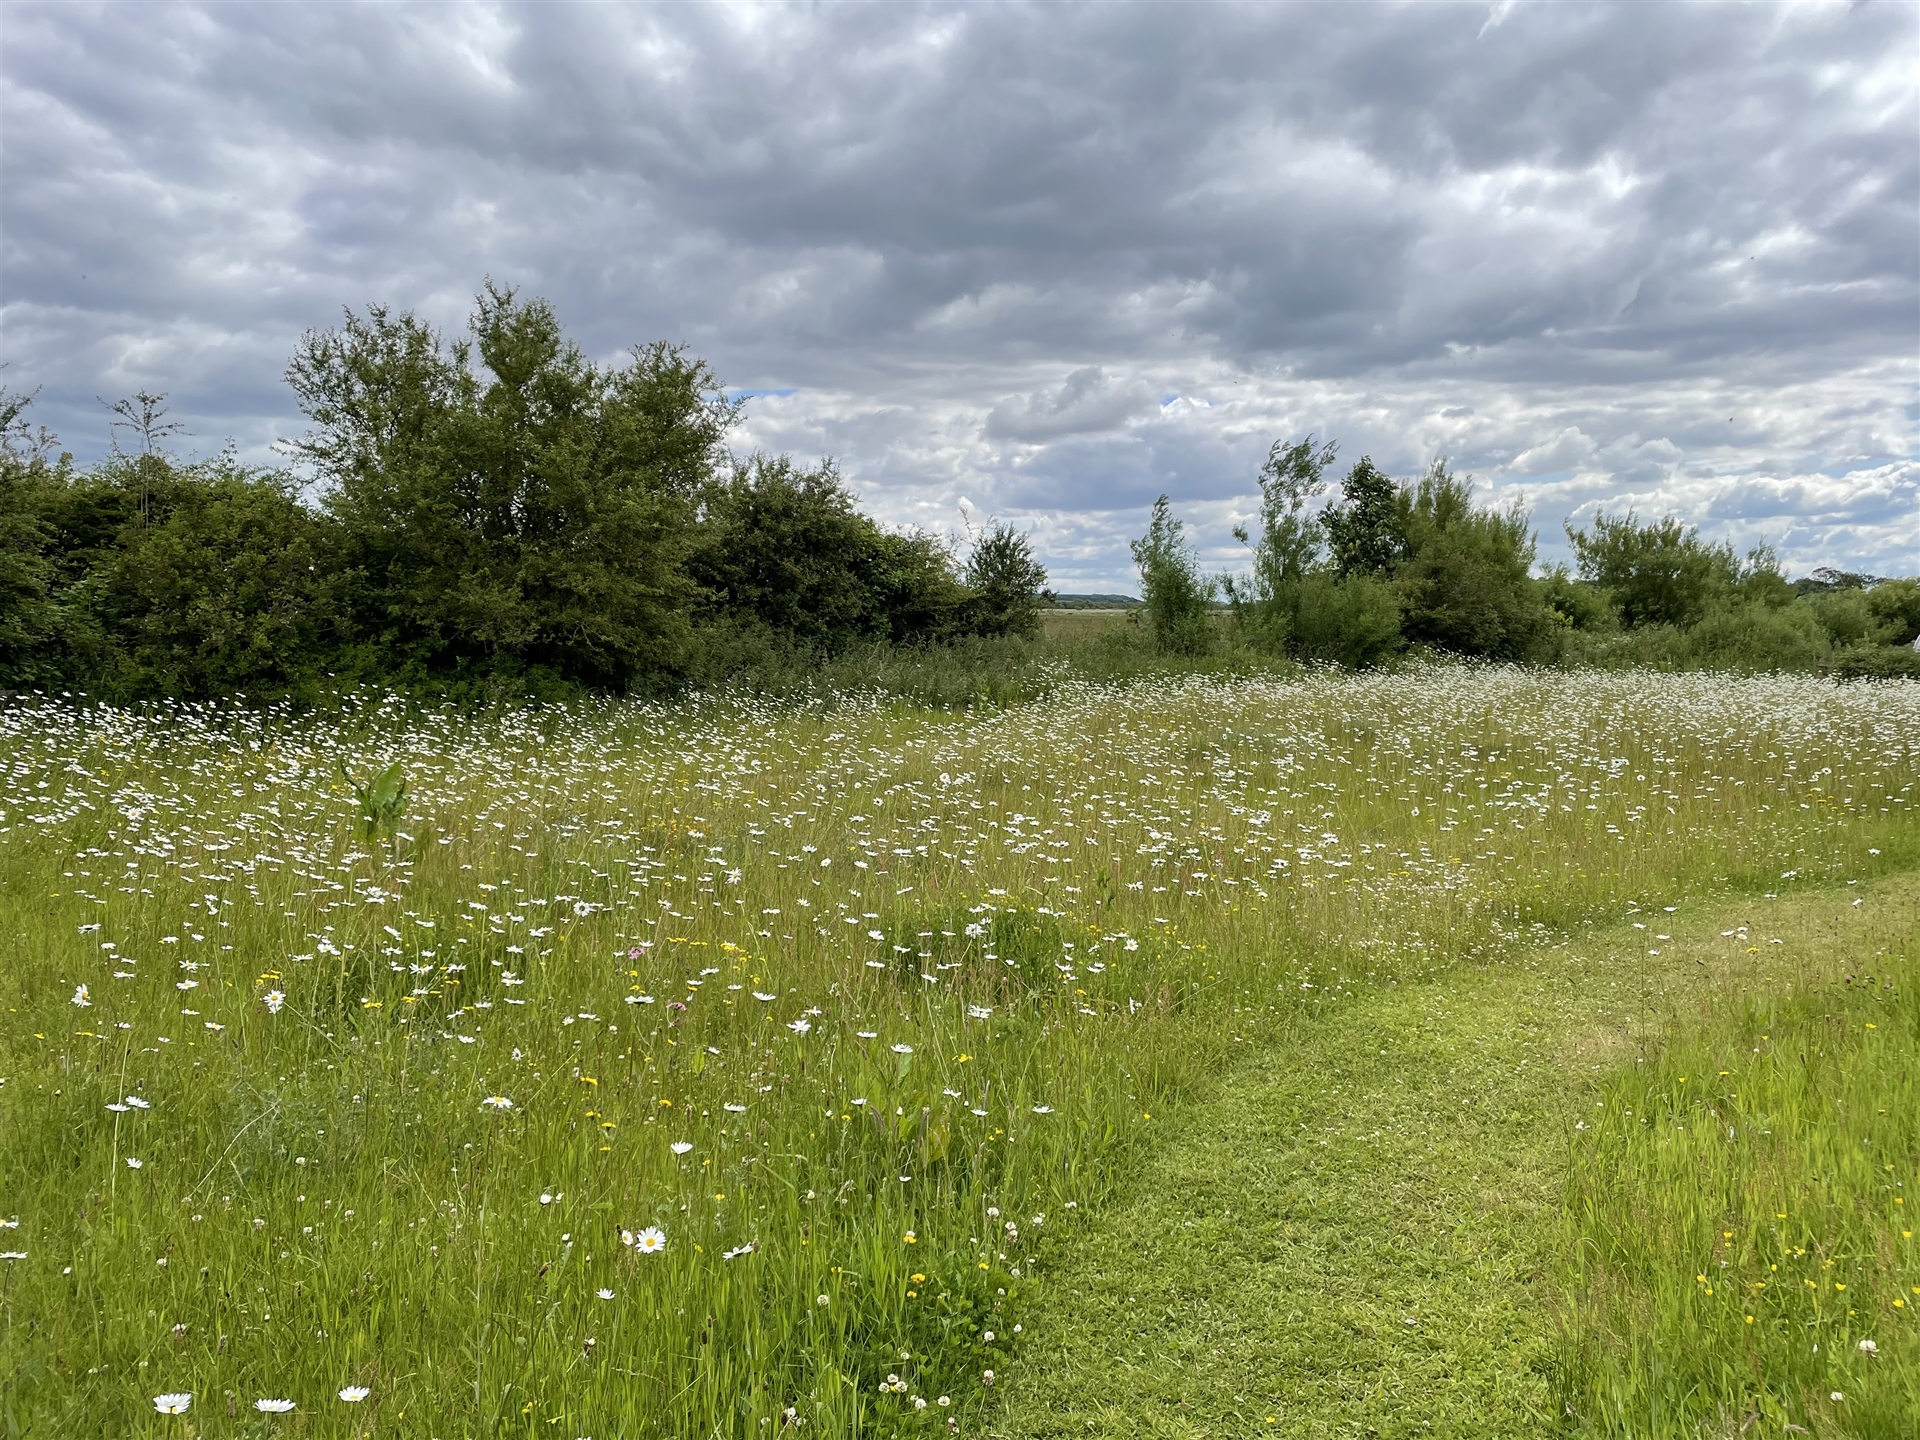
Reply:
x=507, y=504
x=1578, y=604
x=1266, y=602
x=1657, y=573
x=1895, y=606
x=1178, y=599
x=1008, y=583
x=30, y=489
x=225, y=582
x=1467, y=585
x=784, y=547
x=1366, y=530
x=1352, y=621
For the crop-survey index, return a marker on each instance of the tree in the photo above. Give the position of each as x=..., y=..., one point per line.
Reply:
x=1008, y=584
x=1177, y=598
x=1657, y=573
x=1267, y=601
x=1364, y=530
x=785, y=548
x=507, y=503
x=1467, y=585
x=29, y=567
x=228, y=584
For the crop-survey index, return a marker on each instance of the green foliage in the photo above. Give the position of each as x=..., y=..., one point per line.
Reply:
x=1658, y=573
x=227, y=583
x=1266, y=603
x=380, y=801
x=1353, y=621
x=1366, y=531
x=1467, y=586
x=1756, y=637
x=1580, y=605
x=530, y=510
x=1178, y=599
x=784, y=547
x=29, y=564
x=1842, y=614
x=1008, y=583
x=1895, y=605
x=1876, y=662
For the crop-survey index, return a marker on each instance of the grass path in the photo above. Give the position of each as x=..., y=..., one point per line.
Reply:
x=1357, y=1235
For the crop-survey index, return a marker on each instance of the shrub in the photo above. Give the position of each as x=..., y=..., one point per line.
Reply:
x=1178, y=600
x=1657, y=573
x=1354, y=622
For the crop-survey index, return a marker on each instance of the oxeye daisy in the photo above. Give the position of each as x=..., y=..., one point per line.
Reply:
x=174, y=1404
x=497, y=1102
x=273, y=1000
x=354, y=1394
x=681, y=1147
x=273, y=1407
x=650, y=1241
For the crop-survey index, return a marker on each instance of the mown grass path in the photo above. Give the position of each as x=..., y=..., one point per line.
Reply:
x=1360, y=1233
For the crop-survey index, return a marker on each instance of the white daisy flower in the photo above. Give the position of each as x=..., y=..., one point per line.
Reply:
x=354, y=1394
x=177, y=1403
x=497, y=1102
x=273, y=1407
x=681, y=1147
x=650, y=1241
x=273, y=1000
x=80, y=995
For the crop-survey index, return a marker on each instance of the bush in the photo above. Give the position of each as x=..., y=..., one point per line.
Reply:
x=1008, y=584
x=1756, y=638
x=1843, y=614
x=1657, y=573
x=1876, y=662
x=1895, y=607
x=1467, y=587
x=1178, y=601
x=1353, y=622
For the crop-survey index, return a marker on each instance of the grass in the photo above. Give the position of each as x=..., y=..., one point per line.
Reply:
x=1374, y=1226
x=899, y=980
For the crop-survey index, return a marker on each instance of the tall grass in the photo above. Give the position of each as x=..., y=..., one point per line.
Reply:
x=851, y=1000
x=1740, y=1216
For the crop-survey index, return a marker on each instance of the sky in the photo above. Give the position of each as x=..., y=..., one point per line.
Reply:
x=1036, y=264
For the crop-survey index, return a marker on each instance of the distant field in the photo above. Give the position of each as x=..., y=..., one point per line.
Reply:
x=1081, y=624
x=721, y=1069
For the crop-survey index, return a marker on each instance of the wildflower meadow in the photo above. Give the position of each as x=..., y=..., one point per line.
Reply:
x=740, y=1068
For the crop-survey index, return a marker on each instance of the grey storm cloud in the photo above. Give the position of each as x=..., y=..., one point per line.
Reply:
x=1038, y=262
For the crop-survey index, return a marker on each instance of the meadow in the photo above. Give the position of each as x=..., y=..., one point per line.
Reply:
x=733, y=1067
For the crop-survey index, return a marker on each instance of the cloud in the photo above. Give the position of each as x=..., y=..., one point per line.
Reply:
x=1586, y=251
x=1088, y=401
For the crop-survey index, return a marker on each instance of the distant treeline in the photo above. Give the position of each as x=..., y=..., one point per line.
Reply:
x=1392, y=566
x=495, y=514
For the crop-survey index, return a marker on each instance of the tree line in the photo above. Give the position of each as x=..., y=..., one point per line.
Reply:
x=491, y=512
x=495, y=514
x=1395, y=565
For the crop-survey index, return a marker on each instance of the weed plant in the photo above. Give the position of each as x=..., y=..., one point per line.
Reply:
x=718, y=1068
